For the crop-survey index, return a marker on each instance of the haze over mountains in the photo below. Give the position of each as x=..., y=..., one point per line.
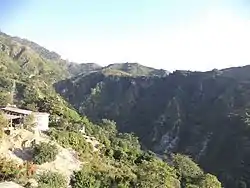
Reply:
x=200, y=114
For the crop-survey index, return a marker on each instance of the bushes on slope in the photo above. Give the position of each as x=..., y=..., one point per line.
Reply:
x=191, y=175
x=51, y=180
x=9, y=170
x=73, y=140
x=44, y=152
x=12, y=171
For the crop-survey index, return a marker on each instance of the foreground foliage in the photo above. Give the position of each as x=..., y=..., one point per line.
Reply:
x=44, y=152
x=74, y=140
x=51, y=180
x=121, y=163
x=12, y=171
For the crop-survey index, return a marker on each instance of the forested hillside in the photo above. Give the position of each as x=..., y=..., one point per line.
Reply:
x=28, y=73
x=202, y=114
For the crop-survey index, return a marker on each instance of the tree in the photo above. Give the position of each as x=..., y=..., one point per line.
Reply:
x=209, y=181
x=5, y=98
x=32, y=106
x=156, y=173
x=186, y=168
x=109, y=126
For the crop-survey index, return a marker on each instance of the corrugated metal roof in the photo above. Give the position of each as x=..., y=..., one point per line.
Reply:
x=17, y=110
x=22, y=111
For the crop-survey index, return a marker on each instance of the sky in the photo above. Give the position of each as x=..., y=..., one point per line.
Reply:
x=169, y=34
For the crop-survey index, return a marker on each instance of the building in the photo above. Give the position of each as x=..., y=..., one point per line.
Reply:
x=16, y=117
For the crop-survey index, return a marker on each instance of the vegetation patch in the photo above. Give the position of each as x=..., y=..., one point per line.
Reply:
x=70, y=139
x=12, y=171
x=51, y=180
x=44, y=152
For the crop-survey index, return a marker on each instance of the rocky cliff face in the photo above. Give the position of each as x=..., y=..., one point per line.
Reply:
x=202, y=114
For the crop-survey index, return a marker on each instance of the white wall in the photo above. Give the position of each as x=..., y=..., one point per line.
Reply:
x=42, y=121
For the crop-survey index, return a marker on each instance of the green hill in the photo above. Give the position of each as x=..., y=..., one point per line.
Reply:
x=136, y=69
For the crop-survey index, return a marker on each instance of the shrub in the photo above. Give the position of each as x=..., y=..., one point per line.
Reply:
x=51, y=180
x=82, y=179
x=44, y=152
x=72, y=140
x=118, y=154
x=109, y=152
x=10, y=171
x=92, y=179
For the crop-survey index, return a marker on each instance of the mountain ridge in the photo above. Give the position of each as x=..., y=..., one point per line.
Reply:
x=173, y=111
x=73, y=69
x=194, y=113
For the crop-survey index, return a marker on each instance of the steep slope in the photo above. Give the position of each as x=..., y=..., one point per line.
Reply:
x=50, y=55
x=15, y=45
x=70, y=69
x=202, y=114
x=25, y=61
x=26, y=79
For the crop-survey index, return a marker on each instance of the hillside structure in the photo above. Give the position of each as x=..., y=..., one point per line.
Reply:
x=16, y=117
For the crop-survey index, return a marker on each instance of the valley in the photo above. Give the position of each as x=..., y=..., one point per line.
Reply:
x=203, y=115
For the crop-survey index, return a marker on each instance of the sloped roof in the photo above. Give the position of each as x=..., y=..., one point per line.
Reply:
x=22, y=111
x=17, y=110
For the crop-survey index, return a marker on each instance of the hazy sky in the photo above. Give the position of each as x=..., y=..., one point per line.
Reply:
x=170, y=34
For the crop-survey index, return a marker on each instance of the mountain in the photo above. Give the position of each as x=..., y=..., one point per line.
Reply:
x=73, y=69
x=38, y=54
x=83, y=68
x=201, y=114
x=41, y=51
x=121, y=69
x=100, y=157
x=136, y=69
x=26, y=60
